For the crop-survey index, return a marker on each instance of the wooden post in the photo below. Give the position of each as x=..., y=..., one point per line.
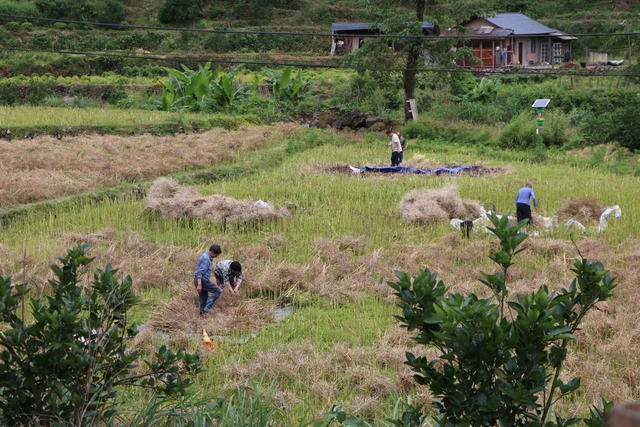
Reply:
x=413, y=108
x=493, y=54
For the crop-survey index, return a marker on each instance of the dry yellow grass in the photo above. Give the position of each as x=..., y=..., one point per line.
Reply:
x=45, y=167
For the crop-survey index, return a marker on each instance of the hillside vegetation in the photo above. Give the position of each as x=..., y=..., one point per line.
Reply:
x=152, y=160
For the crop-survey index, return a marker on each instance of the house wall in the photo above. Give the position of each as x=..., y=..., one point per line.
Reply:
x=528, y=57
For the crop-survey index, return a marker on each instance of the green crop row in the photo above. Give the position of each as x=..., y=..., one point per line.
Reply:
x=26, y=121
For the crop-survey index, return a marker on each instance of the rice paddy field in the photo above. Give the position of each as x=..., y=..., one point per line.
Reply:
x=331, y=258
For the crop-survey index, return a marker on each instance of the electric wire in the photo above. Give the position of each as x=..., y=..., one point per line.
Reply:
x=287, y=33
x=175, y=59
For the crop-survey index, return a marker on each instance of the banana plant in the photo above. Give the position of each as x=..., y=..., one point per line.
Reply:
x=197, y=89
x=286, y=87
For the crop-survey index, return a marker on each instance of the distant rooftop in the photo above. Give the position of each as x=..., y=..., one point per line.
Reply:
x=520, y=24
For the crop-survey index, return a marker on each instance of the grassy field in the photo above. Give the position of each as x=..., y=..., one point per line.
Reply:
x=331, y=258
x=43, y=116
x=30, y=121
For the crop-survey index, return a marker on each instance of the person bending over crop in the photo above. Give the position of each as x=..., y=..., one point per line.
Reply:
x=523, y=208
x=229, y=274
x=396, y=148
x=202, y=280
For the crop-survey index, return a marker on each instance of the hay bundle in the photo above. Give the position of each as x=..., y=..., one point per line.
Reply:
x=173, y=200
x=179, y=315
x=420, y=161
x=282, y=278
x=584, y=210
x=98, y=236
x=442, y=204
x=6, y=261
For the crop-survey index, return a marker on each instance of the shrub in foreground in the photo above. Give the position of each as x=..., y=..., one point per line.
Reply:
x=67, y=365
x=500, y=358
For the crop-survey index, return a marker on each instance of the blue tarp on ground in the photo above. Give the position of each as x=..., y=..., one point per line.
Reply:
x=404, y=169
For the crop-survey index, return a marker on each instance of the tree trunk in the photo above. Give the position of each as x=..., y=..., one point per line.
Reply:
x=412, y=62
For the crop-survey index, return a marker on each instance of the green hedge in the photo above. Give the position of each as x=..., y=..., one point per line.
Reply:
x=171, y=128
x=429, y=128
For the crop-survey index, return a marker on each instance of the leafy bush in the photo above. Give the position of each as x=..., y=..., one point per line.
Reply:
x=179, y=11
x=479, y=90
x=500, y=359
x=428, y=128
x=110, y=11
x=12, y=26
x=13, y=7
x=319, y=15
x=69, y=362
x=26, y=26
x=619, y=124
x=521, y=131
x=488, y=113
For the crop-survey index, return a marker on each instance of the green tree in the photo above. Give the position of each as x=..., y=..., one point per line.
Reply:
x=406, y=18
x=66, y=366
x=173, y=11
x=500, y=358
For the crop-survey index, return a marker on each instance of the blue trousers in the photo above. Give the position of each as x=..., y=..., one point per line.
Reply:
x=206, y=300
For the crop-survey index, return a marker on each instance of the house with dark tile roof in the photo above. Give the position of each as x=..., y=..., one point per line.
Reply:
x=500, y=41
x=514, y=39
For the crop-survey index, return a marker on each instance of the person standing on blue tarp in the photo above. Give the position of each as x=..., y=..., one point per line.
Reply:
x=202, y=280
x=523, y=206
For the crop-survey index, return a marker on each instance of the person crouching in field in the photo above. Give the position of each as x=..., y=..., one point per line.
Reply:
x=523, y=207
x=396, y=148
x=228, y=273
x=202, y=280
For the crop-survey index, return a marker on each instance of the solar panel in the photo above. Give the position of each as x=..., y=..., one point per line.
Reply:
x=541, y=103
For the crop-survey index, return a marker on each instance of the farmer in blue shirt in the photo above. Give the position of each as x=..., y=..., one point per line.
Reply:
x=523, y=207
x=202, y=280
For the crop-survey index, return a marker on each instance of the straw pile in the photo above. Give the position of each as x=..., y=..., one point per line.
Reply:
x=173, y=200
x=431, y=206
x=420, y=161
x=179, y=315
x=584, y=210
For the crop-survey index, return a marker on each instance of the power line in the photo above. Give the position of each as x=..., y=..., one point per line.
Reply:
x=287, y=33
x=594, y=73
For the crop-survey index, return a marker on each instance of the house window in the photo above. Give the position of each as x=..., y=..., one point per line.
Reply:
x=557, y=53
x=534, y=46
x=544, y=52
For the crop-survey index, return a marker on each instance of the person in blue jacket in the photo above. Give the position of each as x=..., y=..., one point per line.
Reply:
x=523, y=203
x=202, y=280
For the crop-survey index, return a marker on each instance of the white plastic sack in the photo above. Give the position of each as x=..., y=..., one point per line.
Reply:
x=455, y=223
x=262, y=204
x=573, y=223
x=547, y=222
x=612, y=210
